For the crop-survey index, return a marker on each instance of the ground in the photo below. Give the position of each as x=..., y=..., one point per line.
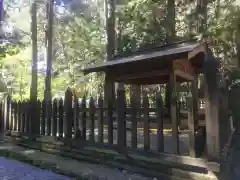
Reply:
x=14, y=170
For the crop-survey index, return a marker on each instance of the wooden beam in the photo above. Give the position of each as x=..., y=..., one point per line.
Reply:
x=197, y=50
x=212, y=115
x=192, y=118
x=173, y=112
x=140, y=75
x=184, y=75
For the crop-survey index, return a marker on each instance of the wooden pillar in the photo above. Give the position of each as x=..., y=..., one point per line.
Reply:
x=211, y=115
x=108, y=103
x=173, y=112
x=192, y=117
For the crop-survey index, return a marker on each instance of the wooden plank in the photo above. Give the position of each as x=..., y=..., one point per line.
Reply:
x=19, y=116
x=200, y=48
x=77, y=133
x=121, y=131
x=134, y=122
x=173, y=113
x=211, y=115
x=60, y=117
x=100, y=119
x=160, y=135
x=146, y=123
x=68, y=119
x=192, y=152
x=83, y=118
x=54, y=119
x=184, y=75
x=91, y=119
x=120, y=77
x=108, y=102
x=37, y=121
x=43, y=117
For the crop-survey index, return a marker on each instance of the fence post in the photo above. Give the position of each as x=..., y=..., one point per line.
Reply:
x=146, y=123
x=22, y=125
x=54, y=119
x=100, y=119
x=60, y=118
x=121, y=120
x=33, y=114
x=134, y=121
x=191, y=127
x=92, y=111
x=7, y=113
x=43, y=119
x=37, y=120
x=2, y=117
x=28, y=116
x=83, y=118
x=13, y=115
x=110, y=111
x=48, y=111
x=160, y=116
x=77, y=132
x=68, y=119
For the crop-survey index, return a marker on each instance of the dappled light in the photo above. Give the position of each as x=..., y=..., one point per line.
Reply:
x=149, y=87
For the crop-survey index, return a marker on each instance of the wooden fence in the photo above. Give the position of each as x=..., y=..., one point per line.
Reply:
x=71, y=119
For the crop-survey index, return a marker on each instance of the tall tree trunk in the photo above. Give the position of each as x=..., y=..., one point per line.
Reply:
x=110, y=8
x=237, y=39
x=201, y=15
x=110, y=23
x=33, y=91
x=49, y=35
x=171, y=23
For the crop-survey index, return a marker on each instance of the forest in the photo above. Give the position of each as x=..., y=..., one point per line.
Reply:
x=90, y=31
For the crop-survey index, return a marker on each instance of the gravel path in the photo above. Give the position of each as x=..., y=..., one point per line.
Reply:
x=14, y=170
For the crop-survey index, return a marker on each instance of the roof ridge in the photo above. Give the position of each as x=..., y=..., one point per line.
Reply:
x=161, y=47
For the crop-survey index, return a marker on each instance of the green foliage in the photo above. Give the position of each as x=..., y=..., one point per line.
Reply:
x=79, y=40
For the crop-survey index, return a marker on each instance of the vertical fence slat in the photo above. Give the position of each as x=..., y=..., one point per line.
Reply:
x=191, y=127
x=146, y=123
x=32, y=117
x=28, y=114
x=37, y=120
x=22, y=118
x=43, y=118
x=2, y=116
x=13, y=110
x=68, y=119
x=121, y=109
x=25, y=117
x=54, y=118
x=48, y=111
x=18, y=116
x=77, y=133
x=110, y=120
x=134, y=122
x=60, y=118
x=92, y=119
x=7, y=113
x=83, y=118
x=100, y=119
x=15, y=115
x=160, y=116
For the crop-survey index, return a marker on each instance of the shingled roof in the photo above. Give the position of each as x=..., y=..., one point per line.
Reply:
x=170, y=51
